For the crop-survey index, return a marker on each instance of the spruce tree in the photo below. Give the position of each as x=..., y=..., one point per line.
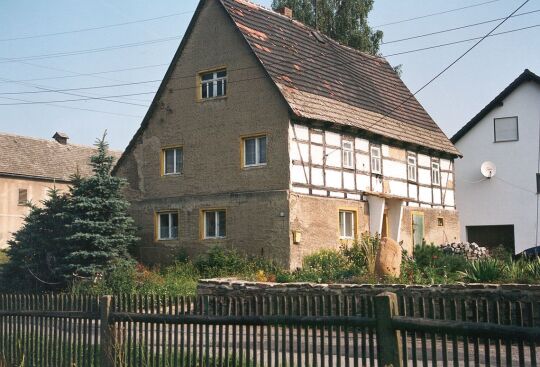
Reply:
x=100, y=230
x=37, y=249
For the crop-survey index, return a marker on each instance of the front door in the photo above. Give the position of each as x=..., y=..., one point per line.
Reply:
x=417, y=228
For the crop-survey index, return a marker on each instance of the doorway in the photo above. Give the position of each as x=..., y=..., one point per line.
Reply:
x=492, y=236
x=417, y=228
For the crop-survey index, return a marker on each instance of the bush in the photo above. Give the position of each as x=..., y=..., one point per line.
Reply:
x=362, y=254
x=325, y=266
x=484, y=271
x=219, y=262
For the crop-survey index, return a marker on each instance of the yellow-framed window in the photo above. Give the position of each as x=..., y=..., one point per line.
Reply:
x=213, y=223
x=347, y=224
x=254, y=149
x=172, y=161
x=166, y=223
x=213, y=84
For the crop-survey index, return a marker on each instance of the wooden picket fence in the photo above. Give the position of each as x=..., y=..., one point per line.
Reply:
x=276, y=330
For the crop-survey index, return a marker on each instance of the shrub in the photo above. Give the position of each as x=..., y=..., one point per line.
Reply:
x=325, y=266
x=219, y=262
x=484, y=271
x=425, y=255
x=362, y=253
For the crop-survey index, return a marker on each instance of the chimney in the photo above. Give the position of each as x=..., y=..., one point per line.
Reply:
x=62, y=138
x=285, y=11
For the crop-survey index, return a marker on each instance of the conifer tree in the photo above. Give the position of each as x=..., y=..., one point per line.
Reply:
x=100, y=230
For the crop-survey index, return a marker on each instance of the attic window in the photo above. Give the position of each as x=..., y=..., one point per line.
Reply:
x=213, y=84
x=506, y=129
x=318, y=36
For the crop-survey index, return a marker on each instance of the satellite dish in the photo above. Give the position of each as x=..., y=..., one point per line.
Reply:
x=488, y=169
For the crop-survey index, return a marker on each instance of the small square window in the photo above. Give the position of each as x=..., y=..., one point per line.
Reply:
x=215, y=223
x=347, y=224
x=213, y=84
x=506, y=129
x=167, y=226
x=254, y=151
x=440, y=222
x=173, y=161
x=23, y=197
x=376, y=160
x=348, y=156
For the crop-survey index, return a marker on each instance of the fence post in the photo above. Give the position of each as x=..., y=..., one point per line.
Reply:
x=106, y=337
x=389, y=351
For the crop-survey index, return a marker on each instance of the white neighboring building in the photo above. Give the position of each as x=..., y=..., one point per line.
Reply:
x=503, y=209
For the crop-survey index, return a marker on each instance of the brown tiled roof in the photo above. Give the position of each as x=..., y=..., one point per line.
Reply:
x=323, y=80
x=46, y=159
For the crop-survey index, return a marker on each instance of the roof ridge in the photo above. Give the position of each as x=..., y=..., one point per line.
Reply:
x=53, y=141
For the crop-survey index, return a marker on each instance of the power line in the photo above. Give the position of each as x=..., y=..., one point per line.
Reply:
x=87, y=51
x=447, y=67
x=455, y=29
x=93, y=28
x=82, y=88
x=434, y=14
x=80, y=99
x=461, y=41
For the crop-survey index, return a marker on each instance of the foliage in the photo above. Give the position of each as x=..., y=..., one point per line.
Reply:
x=501, y=253
x=37, y=249
x=362, y=253
x=343, y=21
x=484, y=271
x=324, y=266
x=100, y=231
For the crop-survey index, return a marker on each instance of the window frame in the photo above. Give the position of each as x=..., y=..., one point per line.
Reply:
x=163, y=162
x=158, y=225
x=438, y=170
x=202, y=224
x=413, y=166
x=495, y=129
x=214, y=80
x=25, y=201
x=243, y=156
x=372, y=158
x=344, y=211
x=347, y=152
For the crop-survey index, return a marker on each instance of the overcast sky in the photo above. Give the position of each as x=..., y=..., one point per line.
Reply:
x=27, y=62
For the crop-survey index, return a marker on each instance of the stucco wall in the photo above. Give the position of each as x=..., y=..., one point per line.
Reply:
x=433, y=233
x=317, y=221
x=210, y=133
x=11, y=213
x=509, y=197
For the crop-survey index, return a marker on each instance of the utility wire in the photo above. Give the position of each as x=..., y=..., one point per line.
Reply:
x=52, y=90
x=93, y=28
x=434, y=14
x=461, y=41
x=455, y=28
x=447, y=68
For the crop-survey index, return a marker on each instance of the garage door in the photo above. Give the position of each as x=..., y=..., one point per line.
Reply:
x=492, y=236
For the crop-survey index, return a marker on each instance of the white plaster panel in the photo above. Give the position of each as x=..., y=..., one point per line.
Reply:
x=437, y=196
x=300, y=190
x=424, y=160
x=361, y=144
x=317, y=154
x=413, y=204
x=301, y=132
x=348, y=180
x=394, y=169
x=445, y=177
x=449, y=198
x=319, y=192
x=332, y=138
x=413, y=191
x=317, y=177
x=398, y=188
x=316, y=138
x=295, y=150
x=333, y=157
x=445, y=164
x=362, y=162
x=425, y=194
x=425, y=205
x=298, y=174
x=333, y=178
x=385, y=150
x=377, y=184
x=304, y=152
x=362, y=182
x=424, y=176
x=337, y=194
x=354, y=196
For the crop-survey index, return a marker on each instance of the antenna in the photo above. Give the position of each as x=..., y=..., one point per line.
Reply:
x=488, y=169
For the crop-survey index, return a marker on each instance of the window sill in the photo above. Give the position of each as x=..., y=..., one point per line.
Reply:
x=172, y=174
x=254, y=166
x=167, y=240
x=202, y=100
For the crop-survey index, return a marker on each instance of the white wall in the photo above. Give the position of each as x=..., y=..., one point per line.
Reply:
x=510, y=197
